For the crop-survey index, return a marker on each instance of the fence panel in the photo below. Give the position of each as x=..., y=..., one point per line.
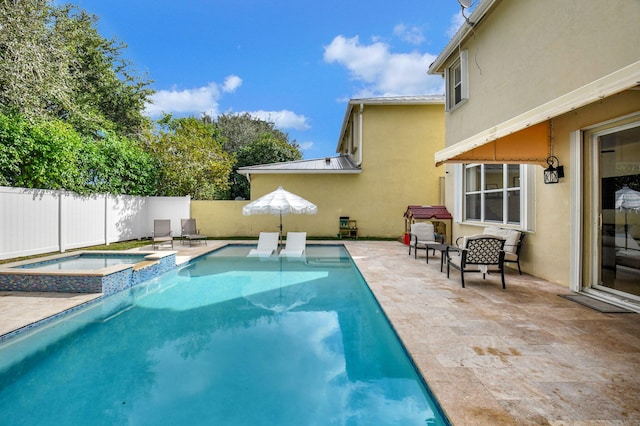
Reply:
x=82, y=220
x=34, y=221
x=29, y=222
x=125, y=218
x=173, y=208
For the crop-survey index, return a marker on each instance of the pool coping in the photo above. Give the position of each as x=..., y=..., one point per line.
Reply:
x=444, y=327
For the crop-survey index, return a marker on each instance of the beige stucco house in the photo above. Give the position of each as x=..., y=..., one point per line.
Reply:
x=384, y=163
x=530, y=80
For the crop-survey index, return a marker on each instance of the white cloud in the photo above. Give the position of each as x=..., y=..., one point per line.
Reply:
x=284, y=119
x=231, y=83
x=196, y=100
x=411, y=35
x=381, y=72
x=305, y=146
x=456, y=22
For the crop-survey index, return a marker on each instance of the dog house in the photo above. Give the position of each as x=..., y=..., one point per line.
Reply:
x=438, y=215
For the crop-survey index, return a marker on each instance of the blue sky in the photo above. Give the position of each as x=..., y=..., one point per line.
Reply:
x=293, y=63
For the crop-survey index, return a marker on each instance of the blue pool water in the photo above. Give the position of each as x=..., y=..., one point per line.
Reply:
x=85, y=262
x=226, y=340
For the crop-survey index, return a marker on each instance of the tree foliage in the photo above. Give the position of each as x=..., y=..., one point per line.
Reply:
x=254, y=141
x=50, y=154
x=35, y=77
x=42, y=155
x=72, y=117
x=240, y=130
x=117, y=165
x=192, y=160
x=265, y=150
x=55, y=64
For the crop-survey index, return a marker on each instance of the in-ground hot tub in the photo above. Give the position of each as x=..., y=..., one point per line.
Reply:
x=105, y=272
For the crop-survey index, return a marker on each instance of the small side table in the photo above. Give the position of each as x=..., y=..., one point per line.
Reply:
x=442, y=248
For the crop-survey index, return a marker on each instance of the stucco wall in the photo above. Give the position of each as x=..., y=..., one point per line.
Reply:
x=525, y=53
x=546, y=252
x=399, y=142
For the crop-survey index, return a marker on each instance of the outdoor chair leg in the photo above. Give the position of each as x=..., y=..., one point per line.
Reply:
x=462, y=277
x=503, y=283
x=519, y=271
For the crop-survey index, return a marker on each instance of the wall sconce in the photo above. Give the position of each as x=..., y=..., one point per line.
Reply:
x=553, y=174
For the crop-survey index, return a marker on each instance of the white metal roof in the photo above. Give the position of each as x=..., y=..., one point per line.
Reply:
x=330, y=165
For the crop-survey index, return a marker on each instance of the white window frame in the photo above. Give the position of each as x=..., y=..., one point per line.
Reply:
x=451, y=83
x=527, y=199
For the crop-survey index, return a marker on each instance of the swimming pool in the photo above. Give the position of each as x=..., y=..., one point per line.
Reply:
x=86, y=261
x=224, y=340
x=105, y=272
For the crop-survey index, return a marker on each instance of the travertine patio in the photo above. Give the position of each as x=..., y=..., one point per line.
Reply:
x=520, y=356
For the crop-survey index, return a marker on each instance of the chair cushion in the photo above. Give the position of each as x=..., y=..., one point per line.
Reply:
x=511, y=237
x=424, y=232
x=511, y=257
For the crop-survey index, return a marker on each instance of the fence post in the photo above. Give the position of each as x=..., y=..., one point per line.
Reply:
x=60, y=222
x=106, y=219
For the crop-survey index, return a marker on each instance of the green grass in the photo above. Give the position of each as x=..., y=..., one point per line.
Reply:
x=124, y=245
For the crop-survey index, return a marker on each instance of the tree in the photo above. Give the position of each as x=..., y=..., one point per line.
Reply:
x=240, y=130
x=35, y=78
x=43, y=155
x=54, y=64
x=254, y=141
x=108, y=92
x=192, y=161
x=52, y=155
x=266, y=149
x=117, y=165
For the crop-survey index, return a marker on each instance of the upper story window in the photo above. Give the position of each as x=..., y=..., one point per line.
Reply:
x=457, y=82
x=492, y=193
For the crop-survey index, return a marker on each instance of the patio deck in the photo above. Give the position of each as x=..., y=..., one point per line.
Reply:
x=520, y=356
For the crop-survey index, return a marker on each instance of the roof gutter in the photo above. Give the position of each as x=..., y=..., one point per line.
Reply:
x=360, y=131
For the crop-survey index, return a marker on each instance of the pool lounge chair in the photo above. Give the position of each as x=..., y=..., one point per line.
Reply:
x=162, y=234
x=190, y=233
x=267, y=244
x=295, y=245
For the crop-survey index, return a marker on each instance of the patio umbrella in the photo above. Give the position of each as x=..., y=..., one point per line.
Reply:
x=280, y=202
x=627, y=200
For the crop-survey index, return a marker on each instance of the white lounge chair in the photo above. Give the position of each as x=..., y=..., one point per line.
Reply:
x=267, y=244
x=295, y=245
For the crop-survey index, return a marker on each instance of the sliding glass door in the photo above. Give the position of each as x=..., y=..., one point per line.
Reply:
x=616, y=152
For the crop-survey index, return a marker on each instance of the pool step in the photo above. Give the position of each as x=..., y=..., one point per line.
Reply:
x=144, y=264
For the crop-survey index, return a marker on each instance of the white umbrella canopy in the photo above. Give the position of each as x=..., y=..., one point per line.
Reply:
x=280, y=202
x=627, y=200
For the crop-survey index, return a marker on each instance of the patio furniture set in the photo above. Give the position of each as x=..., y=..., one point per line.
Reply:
x=481, y=253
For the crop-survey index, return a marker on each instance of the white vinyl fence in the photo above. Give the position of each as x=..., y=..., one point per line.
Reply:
x=35, y=221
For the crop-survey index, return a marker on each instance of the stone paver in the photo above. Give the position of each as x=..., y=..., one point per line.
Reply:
x=520, y=356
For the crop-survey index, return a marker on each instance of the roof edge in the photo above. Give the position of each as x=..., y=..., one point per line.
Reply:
x=476, y=16
x=386, y=100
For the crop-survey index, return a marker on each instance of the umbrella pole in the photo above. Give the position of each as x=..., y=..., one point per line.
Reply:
x=626, y=230
x=280, y=240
